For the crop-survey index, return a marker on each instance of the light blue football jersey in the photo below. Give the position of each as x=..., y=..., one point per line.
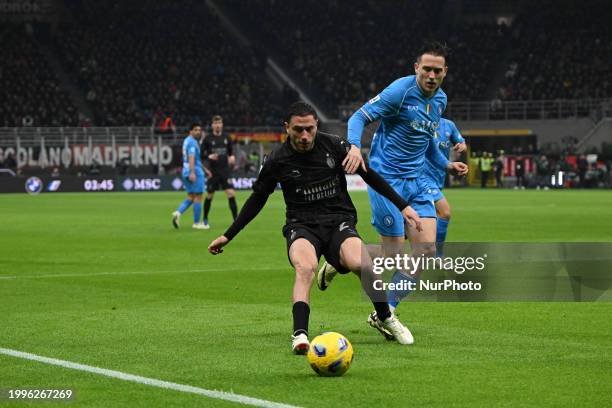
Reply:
x=408, y=124
x=447, y=136
x=191, y=147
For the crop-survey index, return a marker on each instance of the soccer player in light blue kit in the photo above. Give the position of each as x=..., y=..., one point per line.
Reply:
x=409, y=110
x=193, y=178
x=433, y=177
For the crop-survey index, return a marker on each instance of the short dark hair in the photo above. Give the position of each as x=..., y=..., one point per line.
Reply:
x=194, y=125
x=300, y=108
x=217, y=117
x=433, y=47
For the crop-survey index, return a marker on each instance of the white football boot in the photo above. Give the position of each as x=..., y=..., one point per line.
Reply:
x=374, y=322
x=176, y=217
x=300, y=344
x=400, y=332
x=199, y=226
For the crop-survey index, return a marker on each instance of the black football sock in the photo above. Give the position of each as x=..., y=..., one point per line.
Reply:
x=301, y=313
x=207, y=203
x=233, y=207
x=382, y=310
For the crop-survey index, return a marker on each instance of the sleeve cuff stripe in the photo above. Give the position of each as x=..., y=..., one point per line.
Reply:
x=366, y=114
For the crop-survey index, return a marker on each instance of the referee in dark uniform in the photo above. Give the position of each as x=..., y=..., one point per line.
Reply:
x=320, y=216
x=218, y=152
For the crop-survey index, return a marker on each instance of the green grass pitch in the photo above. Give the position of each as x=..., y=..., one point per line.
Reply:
x=104, y=280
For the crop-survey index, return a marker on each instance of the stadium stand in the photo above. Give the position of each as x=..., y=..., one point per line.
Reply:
x=560, y=50
x=140, y=62
x=29, y=89
x=165, y=64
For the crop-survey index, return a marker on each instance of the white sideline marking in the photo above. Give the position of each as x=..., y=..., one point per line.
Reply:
x=69, y=275
x=227, y=396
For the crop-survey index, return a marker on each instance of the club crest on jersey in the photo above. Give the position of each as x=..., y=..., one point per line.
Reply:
x=388, y=220
x=330, y=162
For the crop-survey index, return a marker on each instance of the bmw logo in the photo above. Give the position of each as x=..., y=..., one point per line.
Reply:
x=33, y=185
x=388, y=220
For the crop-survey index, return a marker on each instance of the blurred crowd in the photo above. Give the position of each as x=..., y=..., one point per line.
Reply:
x=166, y=63
x=560, y=50
x=29, y=88
x=142, y=62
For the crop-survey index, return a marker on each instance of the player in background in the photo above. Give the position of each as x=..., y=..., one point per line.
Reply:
x=409, y=110
x=193, y=178
x=434, y=177
x=320, y=216
x=218, y=152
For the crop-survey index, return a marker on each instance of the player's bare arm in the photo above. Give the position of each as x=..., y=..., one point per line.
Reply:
x=192, y=174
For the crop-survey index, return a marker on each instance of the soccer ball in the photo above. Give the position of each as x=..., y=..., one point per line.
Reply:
x=330, y=354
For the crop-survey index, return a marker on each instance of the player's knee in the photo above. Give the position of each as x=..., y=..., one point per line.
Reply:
x=353, y=261
x=426, y=249
x=429, y=249
x=444, y=213
x=305, y=271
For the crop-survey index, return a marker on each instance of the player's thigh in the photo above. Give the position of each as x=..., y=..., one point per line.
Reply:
x=418, y=194
x=386, y=218
x=194, y=187
x=303, y=257
x=354, y=254
x=336, y=236
x=392, y=246
x=303, y=246
x=443, y=209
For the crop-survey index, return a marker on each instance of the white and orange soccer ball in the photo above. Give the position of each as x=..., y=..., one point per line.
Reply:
x=330, y=354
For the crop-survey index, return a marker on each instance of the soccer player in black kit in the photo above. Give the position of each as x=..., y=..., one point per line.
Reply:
x=218, y=152
x=320, y=216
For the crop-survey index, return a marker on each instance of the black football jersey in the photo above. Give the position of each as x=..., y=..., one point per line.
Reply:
x=221, y=145
x=313, y=183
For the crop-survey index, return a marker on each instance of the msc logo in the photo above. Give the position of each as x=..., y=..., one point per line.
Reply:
x=33, y=185
x=144, y=184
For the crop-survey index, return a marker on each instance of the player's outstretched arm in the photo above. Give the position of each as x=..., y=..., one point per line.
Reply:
x=250, y=209
x=374, y=180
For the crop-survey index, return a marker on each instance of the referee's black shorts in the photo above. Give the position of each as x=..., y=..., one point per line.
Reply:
x=218, y=181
